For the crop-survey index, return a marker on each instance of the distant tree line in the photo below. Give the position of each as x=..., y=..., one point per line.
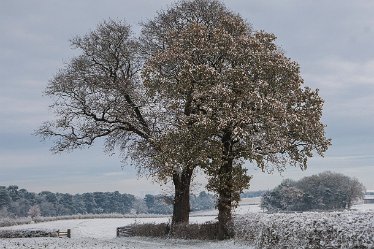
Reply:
x=325, y=191
x=21, y=203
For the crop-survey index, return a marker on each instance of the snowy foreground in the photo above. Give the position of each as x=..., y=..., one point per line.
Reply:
x=134, y=243
x=101, y=233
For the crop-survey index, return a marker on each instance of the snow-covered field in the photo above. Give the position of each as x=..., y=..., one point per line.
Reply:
x=101, y=233
x=363, y=207
x=134, y=243
x=103, y=229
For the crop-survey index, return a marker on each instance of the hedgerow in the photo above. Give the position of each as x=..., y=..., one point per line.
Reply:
x=307, y=230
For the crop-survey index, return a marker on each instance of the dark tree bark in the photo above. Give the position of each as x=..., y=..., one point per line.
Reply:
x=225, y=222
x=181, y=207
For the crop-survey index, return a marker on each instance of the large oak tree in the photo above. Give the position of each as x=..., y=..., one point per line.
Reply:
x=238, y=89
x=178, y=55
x=200, y=88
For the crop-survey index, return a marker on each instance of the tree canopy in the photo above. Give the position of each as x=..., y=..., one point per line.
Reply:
x=198, y=88
x=235, y=91
x=99, y=93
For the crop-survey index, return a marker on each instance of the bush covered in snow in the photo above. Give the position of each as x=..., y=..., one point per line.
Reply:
x=7, y=221
x=144, y=230
x=307, y=230
x=205, y=231
x=325, y=191
x=27, y=233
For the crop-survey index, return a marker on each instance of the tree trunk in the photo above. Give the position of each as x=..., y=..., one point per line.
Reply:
x=181, y=207
x=225, y=222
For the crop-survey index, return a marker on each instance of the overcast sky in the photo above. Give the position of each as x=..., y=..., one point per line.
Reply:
x=333, y=41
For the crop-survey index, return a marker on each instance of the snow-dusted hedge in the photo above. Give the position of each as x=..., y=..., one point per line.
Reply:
x=307, y=230
x=144, y=230
x=205, y=231
x=5, y=222
x=27, y=233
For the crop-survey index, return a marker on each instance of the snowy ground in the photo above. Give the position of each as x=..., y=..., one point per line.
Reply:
x=363, y=207
x=241, y=209
x=101, y=233
x=134, y=243
x=103, y=229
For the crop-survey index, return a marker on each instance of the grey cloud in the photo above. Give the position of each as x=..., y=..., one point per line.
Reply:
x=332, y=41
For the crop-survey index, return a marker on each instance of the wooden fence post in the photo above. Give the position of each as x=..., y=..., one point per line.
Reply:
x=69, y=233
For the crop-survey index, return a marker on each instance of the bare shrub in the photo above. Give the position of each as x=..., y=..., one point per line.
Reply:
x=206, y=231
x=5, y=222
x=26, y=233
x=144, y=230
